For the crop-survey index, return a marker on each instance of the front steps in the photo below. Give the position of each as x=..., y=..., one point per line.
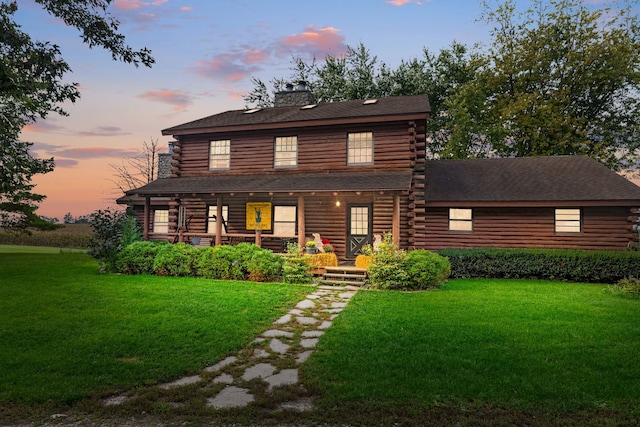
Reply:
x=344, y=275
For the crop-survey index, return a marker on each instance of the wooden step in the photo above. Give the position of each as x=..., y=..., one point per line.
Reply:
x=341, y=282
x=344, y=275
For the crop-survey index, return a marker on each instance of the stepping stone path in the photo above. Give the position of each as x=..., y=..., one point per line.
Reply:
x=271, y=362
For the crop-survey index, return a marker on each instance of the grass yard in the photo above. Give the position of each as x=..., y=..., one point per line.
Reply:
x=523, y=345
x=477, y=352
x=68, y=332
x=27, y=249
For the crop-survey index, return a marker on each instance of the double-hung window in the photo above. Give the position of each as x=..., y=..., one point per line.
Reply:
x=286, y=152
x=161, y=221
x=219, y=154
x=284, y=221
x=360, y=148
x=212, y=218
x=460, y=219
x=568, y=221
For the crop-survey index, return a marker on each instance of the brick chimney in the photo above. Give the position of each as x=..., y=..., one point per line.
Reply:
x=298, y=95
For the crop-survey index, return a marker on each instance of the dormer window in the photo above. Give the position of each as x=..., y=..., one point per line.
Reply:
x=360, y=148
x=219, y=154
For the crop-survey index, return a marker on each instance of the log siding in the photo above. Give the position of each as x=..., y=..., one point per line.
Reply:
x=603, y=228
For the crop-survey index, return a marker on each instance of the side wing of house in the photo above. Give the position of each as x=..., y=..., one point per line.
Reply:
x=538, y=202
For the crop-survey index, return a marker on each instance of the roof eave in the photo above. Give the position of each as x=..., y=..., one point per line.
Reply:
x=296, y=124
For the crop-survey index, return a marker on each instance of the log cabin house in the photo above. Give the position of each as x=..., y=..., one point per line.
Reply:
x=355, y=169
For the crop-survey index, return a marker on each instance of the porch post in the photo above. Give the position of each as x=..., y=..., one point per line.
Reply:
x=218, y=220
x=301, y=230
x=146, y=218
x=395, y=227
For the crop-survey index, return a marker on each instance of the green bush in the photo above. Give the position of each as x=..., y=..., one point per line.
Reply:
x=219, y=262
x=175, y=260
x=265, y=266
x=138, y=258
x=112, y=231
x=296, y=269
x=387, y=269
x=626, y=288
x=426, y=270
x=564, y=265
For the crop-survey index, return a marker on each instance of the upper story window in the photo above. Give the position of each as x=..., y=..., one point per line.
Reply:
x=360, y=148
x=219, y=154
x=161, y=221
x=460, y=219
x=568, y=221
x=286, y=152
x=212, y=218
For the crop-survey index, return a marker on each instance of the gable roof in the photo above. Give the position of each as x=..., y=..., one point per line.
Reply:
x=277, y=183
x=535, y=181
x=388, y=108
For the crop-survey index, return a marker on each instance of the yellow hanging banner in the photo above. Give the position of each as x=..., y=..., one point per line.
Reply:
x=258, y=216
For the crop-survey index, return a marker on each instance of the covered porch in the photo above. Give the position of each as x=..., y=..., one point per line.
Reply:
x=275, y=210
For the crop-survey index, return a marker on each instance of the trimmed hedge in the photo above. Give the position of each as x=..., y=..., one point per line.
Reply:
x=563, y=265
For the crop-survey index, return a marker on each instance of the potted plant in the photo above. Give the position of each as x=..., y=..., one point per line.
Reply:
x=311, y=247
x=327, y=247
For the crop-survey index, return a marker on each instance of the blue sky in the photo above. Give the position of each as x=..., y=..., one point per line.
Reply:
x=206, y=52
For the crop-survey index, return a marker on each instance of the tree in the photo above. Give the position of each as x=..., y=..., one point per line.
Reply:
x=558, y=79
x=31, y=87
x=359, y=75
x=138, y=170
x=68, y=218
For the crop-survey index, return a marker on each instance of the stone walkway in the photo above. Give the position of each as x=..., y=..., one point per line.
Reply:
x=270, y=365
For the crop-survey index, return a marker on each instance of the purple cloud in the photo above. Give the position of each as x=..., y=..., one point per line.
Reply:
x=177, y=99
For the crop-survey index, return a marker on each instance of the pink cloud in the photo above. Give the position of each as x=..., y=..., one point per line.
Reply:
x=177, y=99
x=318, y=42
x=42, y=127
x=186, y=8
x=136, y=4
x=404, y=2
x=255, y=56
x=232, y=66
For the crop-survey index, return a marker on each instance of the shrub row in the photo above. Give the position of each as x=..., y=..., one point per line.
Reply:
x=563, y=265
x=244, y=261
x=394, y=268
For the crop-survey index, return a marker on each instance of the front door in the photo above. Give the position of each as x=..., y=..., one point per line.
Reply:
x=359, y=228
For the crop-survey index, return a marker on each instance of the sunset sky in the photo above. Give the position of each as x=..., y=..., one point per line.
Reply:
x=206, y=51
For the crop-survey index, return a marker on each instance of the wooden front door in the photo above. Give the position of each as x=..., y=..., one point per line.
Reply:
x=359, y=228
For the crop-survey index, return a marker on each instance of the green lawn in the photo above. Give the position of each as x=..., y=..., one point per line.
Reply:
x=27, y=249
x=529, y=345
x=487, y=352
x=67, y=332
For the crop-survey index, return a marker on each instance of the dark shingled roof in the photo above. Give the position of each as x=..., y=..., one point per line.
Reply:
x=527, y=179
x=392, y=106
x=371, y=181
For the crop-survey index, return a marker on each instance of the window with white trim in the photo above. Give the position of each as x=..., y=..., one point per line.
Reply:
x=161, y=221
x=360, y=148
x=460, y=219
x=284, y=221
x=219, y=154
x=568, y=221
x=212, y=218
x=286, y=152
